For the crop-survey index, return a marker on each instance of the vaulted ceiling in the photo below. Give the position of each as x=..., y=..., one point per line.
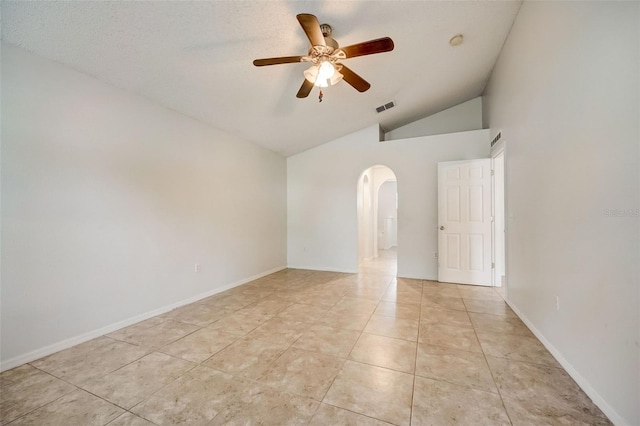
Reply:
x=196, y=58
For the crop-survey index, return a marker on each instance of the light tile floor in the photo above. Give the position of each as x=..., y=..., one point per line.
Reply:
x=305, y=347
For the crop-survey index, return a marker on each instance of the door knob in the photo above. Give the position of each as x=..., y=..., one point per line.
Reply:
x=442, y=228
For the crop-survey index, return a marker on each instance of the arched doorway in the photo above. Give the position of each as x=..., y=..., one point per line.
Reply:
x=377, y=219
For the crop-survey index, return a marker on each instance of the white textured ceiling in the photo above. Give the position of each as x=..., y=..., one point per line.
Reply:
x=196, y=58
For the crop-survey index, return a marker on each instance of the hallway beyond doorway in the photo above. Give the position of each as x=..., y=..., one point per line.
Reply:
x=386, y=263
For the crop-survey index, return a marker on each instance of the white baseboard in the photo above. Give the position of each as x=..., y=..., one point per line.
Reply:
x=324, y=269
x=575, y=375
x=84, y=337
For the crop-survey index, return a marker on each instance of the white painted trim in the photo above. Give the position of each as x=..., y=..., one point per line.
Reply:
x=501, y=148
x=84, y=337
x=575, y=375
x=324, y=269
x=498, y=149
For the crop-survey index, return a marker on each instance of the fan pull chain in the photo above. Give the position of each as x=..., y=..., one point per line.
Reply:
x=320, y=97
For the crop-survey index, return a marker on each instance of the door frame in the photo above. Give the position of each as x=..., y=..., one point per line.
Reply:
x=500, y=148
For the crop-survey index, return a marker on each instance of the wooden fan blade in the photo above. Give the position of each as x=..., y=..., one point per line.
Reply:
x=370, y=47
x=305, y=89
x=358, y=83
x=311, y=27
x=277, y=61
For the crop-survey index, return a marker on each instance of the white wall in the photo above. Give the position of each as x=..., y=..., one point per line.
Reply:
x=365, y=215
x=387, y=209
x=109, y=201
x=567, y=101
x=460, y=118
x=322, y=192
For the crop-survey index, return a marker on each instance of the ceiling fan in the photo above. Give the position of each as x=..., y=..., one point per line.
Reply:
x=326, y=56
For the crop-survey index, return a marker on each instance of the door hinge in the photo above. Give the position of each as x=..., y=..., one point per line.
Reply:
x=493, y=172
x=493, y=265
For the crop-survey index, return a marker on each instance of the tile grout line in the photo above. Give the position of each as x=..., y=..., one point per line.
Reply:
x=486, y=363
x=47, y=403
x=292, y=346
x=492, y=375
x=79, y=388
x=415, y=361
x=347, y=359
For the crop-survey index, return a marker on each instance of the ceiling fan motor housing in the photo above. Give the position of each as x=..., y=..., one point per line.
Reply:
x=331, y=42
x=326, y=32
x=326, y=29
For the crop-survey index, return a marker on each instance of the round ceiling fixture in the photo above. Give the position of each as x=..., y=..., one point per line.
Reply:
x=456, y=40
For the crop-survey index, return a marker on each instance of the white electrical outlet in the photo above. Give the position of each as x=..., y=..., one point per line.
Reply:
x=197, y=267
x=557, y=303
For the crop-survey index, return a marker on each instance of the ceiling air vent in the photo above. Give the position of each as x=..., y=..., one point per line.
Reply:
x=385, y=107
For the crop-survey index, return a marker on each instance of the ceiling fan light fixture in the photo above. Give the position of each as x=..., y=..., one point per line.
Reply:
x=323, y=75
x=326, y=70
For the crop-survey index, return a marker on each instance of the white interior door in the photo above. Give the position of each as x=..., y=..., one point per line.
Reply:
x=464, y=217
